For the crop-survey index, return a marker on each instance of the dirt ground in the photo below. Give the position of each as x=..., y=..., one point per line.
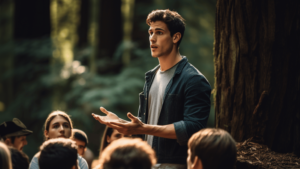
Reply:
x=252, y=155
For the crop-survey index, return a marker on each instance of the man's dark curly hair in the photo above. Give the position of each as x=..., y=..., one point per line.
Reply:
x=59, y=153
x=172, y=19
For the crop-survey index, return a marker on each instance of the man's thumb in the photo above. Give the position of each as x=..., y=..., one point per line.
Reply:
x=131, y=117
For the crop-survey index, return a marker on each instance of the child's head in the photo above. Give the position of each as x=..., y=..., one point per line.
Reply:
x=211, y=149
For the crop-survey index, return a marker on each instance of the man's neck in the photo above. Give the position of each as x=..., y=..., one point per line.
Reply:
x=166, y=62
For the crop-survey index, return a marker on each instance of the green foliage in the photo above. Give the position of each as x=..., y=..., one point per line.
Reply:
x=39, y=81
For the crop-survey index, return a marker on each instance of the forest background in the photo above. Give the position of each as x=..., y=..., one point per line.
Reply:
x=78, y=55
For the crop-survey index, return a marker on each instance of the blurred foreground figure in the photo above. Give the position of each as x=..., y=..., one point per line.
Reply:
x=81, y=140
x=211, y=149
x=5, y=160
x=19, y=159
x=127, y=153
x=175, y=101
x=14, y=133
x=58, y=153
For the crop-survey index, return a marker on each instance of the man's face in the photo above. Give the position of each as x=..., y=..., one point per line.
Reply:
x=19, y=143
x=161, y=43
x=81, y=146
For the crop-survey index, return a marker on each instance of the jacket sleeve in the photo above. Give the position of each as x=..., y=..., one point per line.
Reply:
x=196, y=108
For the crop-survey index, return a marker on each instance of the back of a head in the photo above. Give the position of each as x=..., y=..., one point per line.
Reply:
x=58, y=153
x=5, y=159
x=127, y=153
x=19, y=159
x=214, y=147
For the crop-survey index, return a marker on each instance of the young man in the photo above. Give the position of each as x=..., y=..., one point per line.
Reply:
x=175, y=102
x=127, y=153
x=81, y=140
x=58, y=153
x=14, y=133
x=211, y=148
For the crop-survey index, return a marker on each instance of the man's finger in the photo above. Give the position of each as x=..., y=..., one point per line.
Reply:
x=131, y=117
x=104, y=110
x=114, y=126
x=118, y=124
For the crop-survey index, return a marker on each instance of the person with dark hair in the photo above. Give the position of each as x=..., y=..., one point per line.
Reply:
x=14, y=133
x=18, y=158
x=59, y=153
x=175, y=101
x=5, y=159
x=109, y=135
x=211, y=149
x=81, y=140
x=58, y=125
x=127, y=153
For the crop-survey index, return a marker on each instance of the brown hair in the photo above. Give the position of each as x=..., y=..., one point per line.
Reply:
x=5, y=159
x=172, y=19
x=215, y=147
x=128, y=153
x=52, y=115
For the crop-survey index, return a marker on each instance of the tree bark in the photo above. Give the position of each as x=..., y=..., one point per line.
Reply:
x=257, y=87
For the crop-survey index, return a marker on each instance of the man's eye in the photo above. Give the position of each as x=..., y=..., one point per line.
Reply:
x=55, y=126
x=66, y=126
x=159, y=33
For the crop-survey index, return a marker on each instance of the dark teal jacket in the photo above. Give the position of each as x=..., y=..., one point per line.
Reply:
x=186, y=104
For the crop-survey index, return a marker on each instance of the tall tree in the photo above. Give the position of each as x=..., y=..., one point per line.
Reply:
x=6, y=54
x=257, y=71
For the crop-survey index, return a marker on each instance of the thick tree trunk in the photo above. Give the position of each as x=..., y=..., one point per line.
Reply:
x=257, y=71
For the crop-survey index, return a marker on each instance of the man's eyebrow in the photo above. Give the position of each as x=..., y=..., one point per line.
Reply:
x=157, y=29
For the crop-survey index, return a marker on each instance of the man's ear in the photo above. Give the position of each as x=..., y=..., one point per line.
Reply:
x=8, y=142
x=176, y=37
x=197, y=164
x=46, y=134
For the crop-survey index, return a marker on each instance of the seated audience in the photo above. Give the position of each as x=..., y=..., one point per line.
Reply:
x=19, y=159
x=14, y=133
x=211, y=149
x=5, y=160
x=127, y=153
x=81, y=140
x=58, y=125
x=58, y=153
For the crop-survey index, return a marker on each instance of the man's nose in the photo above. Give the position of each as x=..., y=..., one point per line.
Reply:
x=152, y=38
x=25, y=142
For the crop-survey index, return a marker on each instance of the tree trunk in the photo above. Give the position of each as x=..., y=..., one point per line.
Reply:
x=6, y=54
x=257, y=73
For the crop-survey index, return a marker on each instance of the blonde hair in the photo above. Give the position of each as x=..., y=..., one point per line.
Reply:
x=5, y=159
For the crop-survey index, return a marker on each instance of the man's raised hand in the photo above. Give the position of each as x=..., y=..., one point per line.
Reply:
x=110, y=117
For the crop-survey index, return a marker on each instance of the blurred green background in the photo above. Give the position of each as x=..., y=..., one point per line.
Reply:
x=78, y=55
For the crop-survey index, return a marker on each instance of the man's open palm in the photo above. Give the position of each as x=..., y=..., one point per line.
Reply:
x=110, y=117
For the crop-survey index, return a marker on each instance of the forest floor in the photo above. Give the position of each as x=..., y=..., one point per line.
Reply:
x=252, y=155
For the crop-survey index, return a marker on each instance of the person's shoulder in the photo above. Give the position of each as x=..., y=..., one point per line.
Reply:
x=82, y=162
